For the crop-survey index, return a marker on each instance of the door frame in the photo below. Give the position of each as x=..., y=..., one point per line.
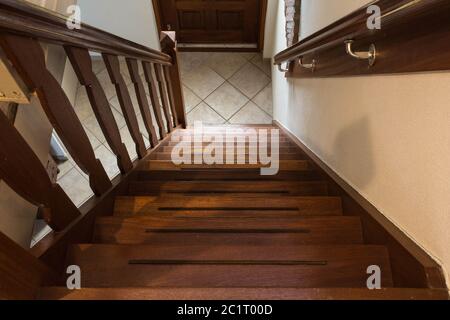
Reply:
x=262, y=29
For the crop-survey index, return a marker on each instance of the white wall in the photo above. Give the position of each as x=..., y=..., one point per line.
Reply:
x=388, y=136
x=133, y=20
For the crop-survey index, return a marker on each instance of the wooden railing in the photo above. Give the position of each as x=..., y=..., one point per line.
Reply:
x=414, y=36
x=23, y=28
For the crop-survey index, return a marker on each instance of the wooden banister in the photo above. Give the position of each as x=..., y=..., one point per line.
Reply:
x=21, y=17
x=23, y=27
x=28, y=58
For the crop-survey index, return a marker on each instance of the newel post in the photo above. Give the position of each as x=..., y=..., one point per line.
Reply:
x=169, y=46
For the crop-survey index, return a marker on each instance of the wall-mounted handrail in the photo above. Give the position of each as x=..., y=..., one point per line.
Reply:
x=23, y=18
x=403, y=23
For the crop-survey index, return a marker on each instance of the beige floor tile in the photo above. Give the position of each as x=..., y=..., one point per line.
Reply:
x=250, y=80
x=190, y=61
x=98, y=65
x=129, y=143
x=95, y=142
x=92, y=125
x=142, y=127
x=115, y=100
x=226, y=100
x=82, y=105
x=191, y=100
x=264, y=99
x=64, y=167
x=251, y=114
x=76, y=187
x=206, y=114
x=124, y=68
x=105, y=81
x=108, y=160
x=263, y=64
x=226, y=64
x=248, y=55
x=203, y=81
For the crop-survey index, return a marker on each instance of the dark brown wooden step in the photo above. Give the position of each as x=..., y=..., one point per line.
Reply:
x=227, y=175
x=147, y=205
x=167, y=165
x=233, y=294
x=229, y=266
x=282, y=142
x=311, y=188
x=282, y=149
x=282, y=156
x=215, y=231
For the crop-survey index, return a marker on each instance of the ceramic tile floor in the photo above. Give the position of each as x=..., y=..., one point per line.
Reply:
x=219, y=88
x=227, y=88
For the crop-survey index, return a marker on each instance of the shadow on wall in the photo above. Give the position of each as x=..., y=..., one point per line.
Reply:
x=353, y=153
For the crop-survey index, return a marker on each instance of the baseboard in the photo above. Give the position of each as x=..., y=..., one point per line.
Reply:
x=412, y=267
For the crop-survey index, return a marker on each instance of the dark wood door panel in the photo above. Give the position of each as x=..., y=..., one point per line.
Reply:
x=212, y=21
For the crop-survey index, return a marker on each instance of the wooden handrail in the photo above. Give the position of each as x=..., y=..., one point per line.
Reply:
x=411, y=31
x=23, y=18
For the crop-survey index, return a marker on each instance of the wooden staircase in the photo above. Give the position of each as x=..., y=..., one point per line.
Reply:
x=229, y=233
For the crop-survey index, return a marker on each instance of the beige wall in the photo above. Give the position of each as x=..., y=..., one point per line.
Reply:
x=388, y=136
x=133, y=20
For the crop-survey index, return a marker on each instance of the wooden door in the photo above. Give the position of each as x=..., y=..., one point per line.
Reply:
x=212, y=21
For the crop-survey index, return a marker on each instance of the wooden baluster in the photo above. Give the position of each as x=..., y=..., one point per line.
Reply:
x=163, y=93
x=154, y=97
x=82, y=64
x=142, y=100
x=22, y=170
x=171, y=95
x=113, y=66
x=169, y=46
x=28, y=58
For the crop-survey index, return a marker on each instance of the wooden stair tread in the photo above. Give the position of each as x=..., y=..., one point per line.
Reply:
x=282, y=149
x=143, y=229
x=282, y=156
x=287, y=224
x=284, y=165
x=60, y=293
x=206, y=174
x=282, y=142
x=233, y=266
x=151, y=204
x=317, y=188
